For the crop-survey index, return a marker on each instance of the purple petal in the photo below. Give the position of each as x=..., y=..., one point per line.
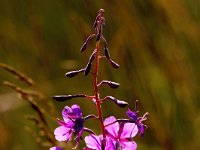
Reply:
x=67, y=123
x=109, y=145
x=141, y=129
x=129, y=130
x=62, y=133
x=77, y=111
x=93, y=142
x=130, y=145
x=55, y=148
x=66, y=111
x=132, y=115
x=113, y=128
x=73, y=112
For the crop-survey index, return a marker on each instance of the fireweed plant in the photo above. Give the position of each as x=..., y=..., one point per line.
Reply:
x=116, y=134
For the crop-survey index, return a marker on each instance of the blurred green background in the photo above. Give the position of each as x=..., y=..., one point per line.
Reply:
x=156, y=43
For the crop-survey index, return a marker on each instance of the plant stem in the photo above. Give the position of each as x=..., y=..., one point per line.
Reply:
x=96, y=90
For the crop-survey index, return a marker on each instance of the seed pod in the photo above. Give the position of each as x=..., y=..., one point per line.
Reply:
x=73, y=73
x=121, y=104
x=89, y=64
x=113, y=85
x=114, y=64
x=84, y=46
x=67, y=97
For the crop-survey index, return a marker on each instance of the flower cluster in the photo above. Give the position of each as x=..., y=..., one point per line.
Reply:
x=116, y=134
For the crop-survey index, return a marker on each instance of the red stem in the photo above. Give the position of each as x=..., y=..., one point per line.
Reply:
x=96, y=90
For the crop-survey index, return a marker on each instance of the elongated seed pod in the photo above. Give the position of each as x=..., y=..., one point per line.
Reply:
x=67, y=97
x=117, y=101
x=113, y=85
x=73, y=73
x=87, y=69
x=89, y=64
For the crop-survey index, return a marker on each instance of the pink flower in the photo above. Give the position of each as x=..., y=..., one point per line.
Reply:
x=72, y=124
x=94, y=142
x=121, y=134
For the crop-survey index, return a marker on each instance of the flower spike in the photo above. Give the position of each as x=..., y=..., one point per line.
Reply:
x=116, y=134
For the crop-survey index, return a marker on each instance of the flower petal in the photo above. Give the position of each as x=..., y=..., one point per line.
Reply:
x=129, y=130
x=55, y=148
x=76, y=110
x=93, y=142
x=62, y=133
x=113, y=128
x=72, y=112
x=68, y=124
x=109, y=144
x=66, y=111
x=132, y=115
x=130, y=145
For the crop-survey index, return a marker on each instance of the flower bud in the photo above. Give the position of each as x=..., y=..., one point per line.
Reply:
x=89, y=64
x=73, y=73
x=84, y=46
x=87, y=69
x=67, y=97
x=114, y=64
x=118, y=102
x=121, y=104
x=113, y=85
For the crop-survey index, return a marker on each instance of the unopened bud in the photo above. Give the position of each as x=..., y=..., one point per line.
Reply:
x=89, y=64
x=113, y=85
x=67, y=97
x=73, y=73
x=118, y=102
x=114, y=64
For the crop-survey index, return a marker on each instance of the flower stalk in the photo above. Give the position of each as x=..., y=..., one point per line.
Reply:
x=96, y=91
x=116, y=134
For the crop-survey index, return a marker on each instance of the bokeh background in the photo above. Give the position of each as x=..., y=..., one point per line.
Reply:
x=156, y=43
